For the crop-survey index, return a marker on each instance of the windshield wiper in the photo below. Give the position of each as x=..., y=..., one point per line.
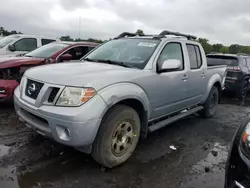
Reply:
x=113, y=62
x=87, y=59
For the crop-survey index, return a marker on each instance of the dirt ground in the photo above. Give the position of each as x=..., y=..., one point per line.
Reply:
x=29, y=160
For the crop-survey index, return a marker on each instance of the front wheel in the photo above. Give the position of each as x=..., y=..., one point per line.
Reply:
x=211, y=103
x=117, y=137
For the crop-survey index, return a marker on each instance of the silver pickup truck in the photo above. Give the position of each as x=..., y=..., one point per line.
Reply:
x=122, y=90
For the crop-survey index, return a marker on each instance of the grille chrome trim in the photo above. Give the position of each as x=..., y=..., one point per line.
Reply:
x=33, y=88
x=44, y=94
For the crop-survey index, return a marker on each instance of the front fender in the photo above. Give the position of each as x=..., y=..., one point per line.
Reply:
x=215, y=78
x=121, y=91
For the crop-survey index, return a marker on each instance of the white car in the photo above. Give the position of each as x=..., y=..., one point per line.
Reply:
x=16, y=44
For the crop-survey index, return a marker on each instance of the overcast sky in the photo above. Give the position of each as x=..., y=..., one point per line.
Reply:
x=225, y=21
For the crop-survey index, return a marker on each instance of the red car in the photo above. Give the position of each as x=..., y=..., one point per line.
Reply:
x=12, y=68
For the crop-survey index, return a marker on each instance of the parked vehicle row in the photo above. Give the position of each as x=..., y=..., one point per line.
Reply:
x=16, y=44
x=120, y=91
x=12, y=68
x=238, y=71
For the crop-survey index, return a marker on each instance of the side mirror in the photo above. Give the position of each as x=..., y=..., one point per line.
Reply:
x=170, y=65
x=66, y=57
x=12, y=47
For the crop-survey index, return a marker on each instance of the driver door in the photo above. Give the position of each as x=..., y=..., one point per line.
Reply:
x=23, y=46
x=171, y=88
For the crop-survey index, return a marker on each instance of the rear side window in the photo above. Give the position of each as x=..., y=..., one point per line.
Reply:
x=194, y=56
x=47, y=41
x=26, y=44
x=213, y=60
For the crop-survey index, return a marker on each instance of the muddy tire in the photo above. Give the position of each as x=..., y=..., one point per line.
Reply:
x=243, y=90
x=117, y=137
x=211, y=103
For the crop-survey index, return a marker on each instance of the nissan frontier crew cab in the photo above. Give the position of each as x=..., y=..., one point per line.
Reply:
x=122, y=90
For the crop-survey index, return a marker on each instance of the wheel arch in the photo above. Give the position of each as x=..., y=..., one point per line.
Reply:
x=217, y=84
x=131, y=95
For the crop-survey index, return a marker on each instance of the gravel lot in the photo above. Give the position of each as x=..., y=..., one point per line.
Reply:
x=29, y=160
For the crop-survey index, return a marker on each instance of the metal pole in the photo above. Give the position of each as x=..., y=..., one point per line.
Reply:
x=79, y=34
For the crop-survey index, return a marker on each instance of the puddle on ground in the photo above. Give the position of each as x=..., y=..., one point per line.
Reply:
x=209, y=172
x=4, y=150
x=30, y=177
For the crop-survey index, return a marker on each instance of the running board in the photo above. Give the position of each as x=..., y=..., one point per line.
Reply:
x=173, y=119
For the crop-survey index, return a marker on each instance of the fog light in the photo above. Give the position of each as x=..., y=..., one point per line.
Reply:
x=63, y=133
x=2, y=91
x=67, y=132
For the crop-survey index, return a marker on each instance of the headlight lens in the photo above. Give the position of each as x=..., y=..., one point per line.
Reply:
x=74, y=96
x=246, y=139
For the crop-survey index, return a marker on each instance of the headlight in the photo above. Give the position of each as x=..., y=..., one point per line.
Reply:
x=245, y=141
x=74, y=96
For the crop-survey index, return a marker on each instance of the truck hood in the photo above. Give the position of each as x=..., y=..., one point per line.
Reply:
x=84, y=74
x=8, y=62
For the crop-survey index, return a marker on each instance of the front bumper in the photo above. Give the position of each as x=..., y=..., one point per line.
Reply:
x=7, y=88
x=73, y=126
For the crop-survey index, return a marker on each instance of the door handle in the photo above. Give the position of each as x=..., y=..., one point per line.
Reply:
x=185, y=77
x=203, y=75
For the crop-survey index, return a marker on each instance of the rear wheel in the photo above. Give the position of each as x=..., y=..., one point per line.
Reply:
x=243, y=90
x=117, y=137
x=211, y=103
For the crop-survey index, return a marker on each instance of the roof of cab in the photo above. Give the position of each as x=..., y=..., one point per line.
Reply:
x=36, y=36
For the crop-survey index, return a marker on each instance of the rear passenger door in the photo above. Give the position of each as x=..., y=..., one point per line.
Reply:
x=196, y=74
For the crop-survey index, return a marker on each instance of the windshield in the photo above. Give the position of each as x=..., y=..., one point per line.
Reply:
x=222, y=60
x=131, y=52
x=6, y=40
x=46, y=51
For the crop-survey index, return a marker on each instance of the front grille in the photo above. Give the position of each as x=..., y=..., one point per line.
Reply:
x=33, y=89
x=53, y=94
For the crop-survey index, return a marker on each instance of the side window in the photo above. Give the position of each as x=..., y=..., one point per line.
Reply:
x=47, y=41
x=248, y=63
x=77, y=52
x=198, y=54
x=91, y=48
x=194, y=56
x=244, y=62
x=26, y=44
x=171, y=51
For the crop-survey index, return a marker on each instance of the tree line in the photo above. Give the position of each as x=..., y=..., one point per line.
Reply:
x=232, y=49
x=209, y=48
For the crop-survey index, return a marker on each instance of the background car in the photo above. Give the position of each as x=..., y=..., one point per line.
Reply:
x=238, y=71
x=12, y=68
x=238, y=162
x=16, y=44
